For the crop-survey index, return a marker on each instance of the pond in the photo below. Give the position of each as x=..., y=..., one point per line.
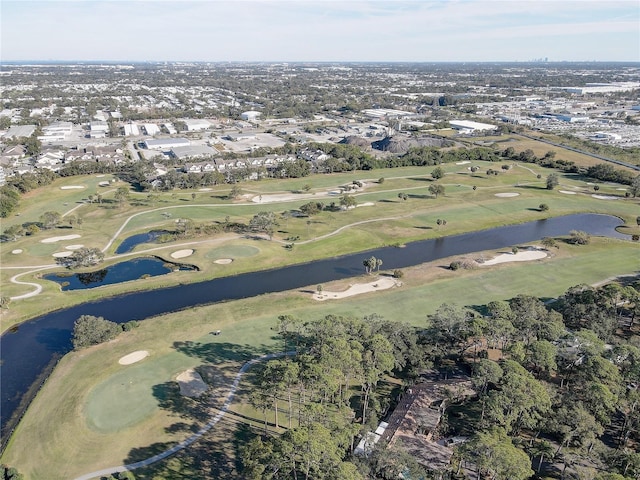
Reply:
x=126, y=271
x=129, y=243
x=27, y=353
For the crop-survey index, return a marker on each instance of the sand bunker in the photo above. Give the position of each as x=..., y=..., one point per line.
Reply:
x=507, y=195
x=62, y=254
x=285, y=197
x=522, y=256
x=16, y=251
x=604, y=197
x=223, y=261
x=72, y=187
x=103, y=184
x=463, y=163
x=74, y=247
x=205, y=189
x=366, y=204
x=380, y=284
x=58, y=239
x=191, y=383
x=182, y=253
x=133, y=357
x=567, y=192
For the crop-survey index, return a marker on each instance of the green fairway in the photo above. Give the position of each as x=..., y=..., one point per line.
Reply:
x=233, y=251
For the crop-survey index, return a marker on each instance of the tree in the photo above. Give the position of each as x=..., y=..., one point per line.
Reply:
x=83, y=257
x=370, y=263
x=312, y=208
x=552, y=181
x=348, y=201
x=543, y=207
x=235, y=192
x=264, y=222
x=89, y=330
x=549, y=242
x=122, y=194
x=436, y=189
x=5, y=301
x=634, y=189
x=7, y=472
x=50, y=219
x=403, y=196
x=494, y=453
x=578, y=237
x=437, y=173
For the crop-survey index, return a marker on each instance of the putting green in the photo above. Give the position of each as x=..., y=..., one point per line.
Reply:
x=233, y=251
x=133, y=393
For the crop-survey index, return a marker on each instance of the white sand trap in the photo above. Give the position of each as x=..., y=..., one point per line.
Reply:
x=507, y=195
x=521, y=256
x=621, y=189
x=191, y=383
x=133, y=357
x=463, y=163
x=223, y=261
x=604, y=197
x=205, y=189
x=383, y=283
x=182, y=253
x=285, y=197
x=72, y=187
x=366, y=204
x=62, y=254
x=16, y=251
x=103, y=184
x=58, y=239
x=99, y=176
x=567, y=192
x=74, y=247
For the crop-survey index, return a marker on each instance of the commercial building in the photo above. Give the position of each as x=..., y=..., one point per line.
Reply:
x=467, y=126
x=19, y=131
x=166, y=144
x=151, y=128
x=250, y=115
x=196, y=125
x=193, y=151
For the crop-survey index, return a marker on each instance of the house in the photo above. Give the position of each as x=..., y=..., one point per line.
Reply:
x=413, y=425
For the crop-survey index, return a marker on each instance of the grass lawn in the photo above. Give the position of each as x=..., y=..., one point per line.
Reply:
x=102, y=422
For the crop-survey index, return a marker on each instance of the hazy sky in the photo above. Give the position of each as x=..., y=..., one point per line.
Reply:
x=320, y=30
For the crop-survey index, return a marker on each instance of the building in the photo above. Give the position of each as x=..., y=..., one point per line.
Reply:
x=166, y=144
x=196, y=125
x=19, y=131
x=97, y=127
x=193, y=151
x=131, y=129
x=151, y=128
x=57, y=131
x=250, y=116
x=467, y=126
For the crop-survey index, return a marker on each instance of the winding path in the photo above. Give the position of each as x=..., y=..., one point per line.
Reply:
x=196, y=436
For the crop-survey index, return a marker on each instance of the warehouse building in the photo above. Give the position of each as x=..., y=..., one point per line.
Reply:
x=196, y=125
x=467, y=126
x=166, y=144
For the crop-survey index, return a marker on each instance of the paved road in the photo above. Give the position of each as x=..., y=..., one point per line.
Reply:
x=196, y=436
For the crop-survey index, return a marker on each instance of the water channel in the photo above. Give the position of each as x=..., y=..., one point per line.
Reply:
x=29, y=352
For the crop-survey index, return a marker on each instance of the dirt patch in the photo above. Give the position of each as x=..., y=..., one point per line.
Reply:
x=59, y=239
x=507, y=195
x=191, y=383
x=379, y=284
x=182, y=253
x=133, y=357
x=223, y=261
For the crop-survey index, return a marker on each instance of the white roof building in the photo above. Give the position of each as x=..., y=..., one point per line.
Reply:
x=151, y=128
x=194, y=125
x=99, y=126
x=19, y=131
x=250, y=115
x=166, y=143
x=131, y=129
x=467, y=126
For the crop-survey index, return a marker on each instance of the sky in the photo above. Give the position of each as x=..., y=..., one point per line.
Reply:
x=320, y=30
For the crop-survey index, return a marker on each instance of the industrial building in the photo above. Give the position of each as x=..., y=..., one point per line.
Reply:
x=166, y=144
x=193, y=151
x=250, y=115
x=468, y=127
x=19, y=131
x=196, y=125
x=151, y=128
x=131, y=129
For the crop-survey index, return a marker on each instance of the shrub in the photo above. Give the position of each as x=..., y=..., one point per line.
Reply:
x=89, y=330
x=578, y=237
x=543, y=207
x=397, y=273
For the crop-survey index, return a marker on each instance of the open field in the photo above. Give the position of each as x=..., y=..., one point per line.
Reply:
x=53, y=432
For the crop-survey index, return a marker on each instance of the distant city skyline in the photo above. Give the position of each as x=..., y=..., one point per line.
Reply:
x=320, y=31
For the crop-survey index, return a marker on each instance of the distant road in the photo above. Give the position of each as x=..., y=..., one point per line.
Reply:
x=599, y=157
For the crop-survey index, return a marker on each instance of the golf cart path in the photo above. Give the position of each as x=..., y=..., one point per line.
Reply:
x=196, y=436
